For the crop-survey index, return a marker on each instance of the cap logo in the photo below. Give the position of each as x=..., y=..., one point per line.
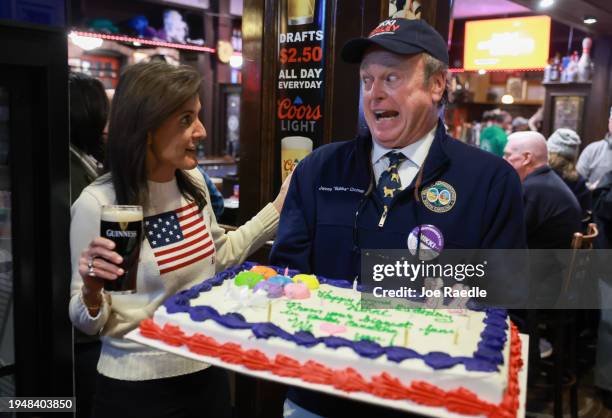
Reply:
x=388, y=26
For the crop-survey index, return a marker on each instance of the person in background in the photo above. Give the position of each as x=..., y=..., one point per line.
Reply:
x=520, y=124
x=563, y=146
x=596, y=158
x=552, y=212
x=216, y=198
x=487, y=117
x=493, y=138
x=151, y=161
x=507, y=122
x=595, y=163
x=535, y=121
x=602, y=216
x=89, y=109
x=552, y=215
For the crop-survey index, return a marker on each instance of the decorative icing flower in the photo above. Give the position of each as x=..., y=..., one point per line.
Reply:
x=310, y=280
x=297, y=291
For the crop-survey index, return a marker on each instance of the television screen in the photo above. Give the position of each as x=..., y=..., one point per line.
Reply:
x=519, y=43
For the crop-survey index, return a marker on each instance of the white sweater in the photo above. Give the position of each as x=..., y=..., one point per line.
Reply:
x=127, y=360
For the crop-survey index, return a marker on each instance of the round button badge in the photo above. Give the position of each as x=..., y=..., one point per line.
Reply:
x=429, y=241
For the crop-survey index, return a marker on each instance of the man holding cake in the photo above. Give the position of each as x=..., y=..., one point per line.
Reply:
x=403, y=175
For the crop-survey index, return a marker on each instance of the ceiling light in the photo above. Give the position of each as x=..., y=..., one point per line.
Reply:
x=136, y=44
x=482, y=72
x=546, y=3
x=507, y=99
x=235, y=61
x=589, y=20
x=85, y=42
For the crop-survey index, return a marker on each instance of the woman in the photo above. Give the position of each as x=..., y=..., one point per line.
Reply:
x=88, y=116
x=151, y=161
x=563, y=146
x=89, y=109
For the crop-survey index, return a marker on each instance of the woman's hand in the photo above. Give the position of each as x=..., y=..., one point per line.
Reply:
x=98, y=262
x=280, y=198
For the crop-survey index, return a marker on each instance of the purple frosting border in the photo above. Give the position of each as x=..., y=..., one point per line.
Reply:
x=486, y=358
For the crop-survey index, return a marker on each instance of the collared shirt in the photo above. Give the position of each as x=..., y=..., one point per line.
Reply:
x=408, y=169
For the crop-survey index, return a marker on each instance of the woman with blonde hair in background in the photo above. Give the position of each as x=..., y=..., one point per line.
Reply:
x=563, y=148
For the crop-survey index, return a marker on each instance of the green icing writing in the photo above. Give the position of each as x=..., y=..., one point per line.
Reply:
x=368, y=324
x=301, y=325
x=433, y=330
x=352, y=304
x=303, y=318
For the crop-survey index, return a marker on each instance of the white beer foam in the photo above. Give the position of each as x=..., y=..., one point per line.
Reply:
x=115, y=215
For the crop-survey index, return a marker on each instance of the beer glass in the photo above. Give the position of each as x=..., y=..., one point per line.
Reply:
x=300, y=12
x=293, y=150
x=123, y=225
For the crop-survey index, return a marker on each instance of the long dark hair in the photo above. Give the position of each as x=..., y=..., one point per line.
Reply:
x=147, y=94
x=88, y=114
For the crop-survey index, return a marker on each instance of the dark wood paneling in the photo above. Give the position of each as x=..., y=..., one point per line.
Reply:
x=257, y=148
x=553, y=90
x=437, y=14
x=600, y=99
x=351, y=19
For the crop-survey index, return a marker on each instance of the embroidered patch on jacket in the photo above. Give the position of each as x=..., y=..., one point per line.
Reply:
x=439, y=197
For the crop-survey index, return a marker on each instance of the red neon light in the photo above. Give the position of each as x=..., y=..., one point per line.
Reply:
x=463, y=70
x=121, y=38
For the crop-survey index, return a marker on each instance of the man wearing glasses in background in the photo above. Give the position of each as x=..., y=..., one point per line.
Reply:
x=402, y=176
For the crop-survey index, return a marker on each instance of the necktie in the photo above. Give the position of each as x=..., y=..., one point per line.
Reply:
x=389, y=182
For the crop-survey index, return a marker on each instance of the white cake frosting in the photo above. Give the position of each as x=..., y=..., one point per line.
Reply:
x=335, y=311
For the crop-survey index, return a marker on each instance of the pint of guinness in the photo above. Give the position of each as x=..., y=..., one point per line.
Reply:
x=123, y=225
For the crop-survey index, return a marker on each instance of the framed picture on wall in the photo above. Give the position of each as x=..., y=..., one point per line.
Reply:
x=517, y=87
x=568, y=112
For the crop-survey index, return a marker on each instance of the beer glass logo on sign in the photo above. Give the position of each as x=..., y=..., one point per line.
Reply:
x=300, y=12
x=293, y=150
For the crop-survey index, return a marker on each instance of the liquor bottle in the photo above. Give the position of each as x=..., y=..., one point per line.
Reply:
x=585, y=65
x=547, y=70
x=563, y=72
x=554, y=71
x=571, y=72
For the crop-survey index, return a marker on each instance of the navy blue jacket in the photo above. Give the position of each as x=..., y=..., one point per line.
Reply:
x=552, y=215
x=581, y=191
x=320, y=233
x=317, y=227
x=552, y=212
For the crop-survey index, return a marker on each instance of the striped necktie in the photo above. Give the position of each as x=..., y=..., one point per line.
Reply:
x=389, y=182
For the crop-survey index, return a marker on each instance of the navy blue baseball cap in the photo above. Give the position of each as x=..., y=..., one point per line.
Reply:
x=400, y=36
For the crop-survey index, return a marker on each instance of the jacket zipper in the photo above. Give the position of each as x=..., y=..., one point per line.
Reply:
x=383, y=218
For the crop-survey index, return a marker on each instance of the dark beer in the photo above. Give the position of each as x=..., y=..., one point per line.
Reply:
x=123, y=225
